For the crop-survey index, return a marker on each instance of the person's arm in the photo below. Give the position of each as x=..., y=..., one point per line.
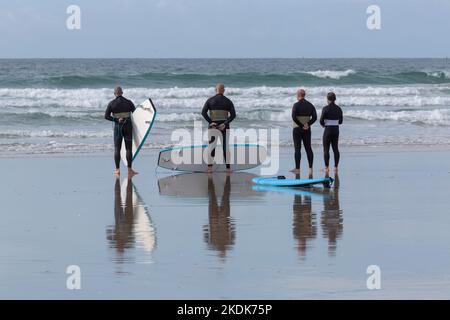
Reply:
x=132, y=107
x=294, y=116
x=232, y=114
x=313, y=116
x=322, y=117
x=341, y=116
x=108, y=113
x=205, y=112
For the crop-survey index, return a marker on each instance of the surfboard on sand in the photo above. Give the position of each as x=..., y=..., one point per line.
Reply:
x=142, y=119
x=280, y=182
x=194, y=158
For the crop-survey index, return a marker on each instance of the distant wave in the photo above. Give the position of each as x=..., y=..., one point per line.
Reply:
x=330, y=74
x=244, y=79
x=440, y=74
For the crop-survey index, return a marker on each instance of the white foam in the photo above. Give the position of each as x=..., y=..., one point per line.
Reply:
x=95, y=100
x=331, y=74
x=437, y=117
x=439, y=74
x=11, y=134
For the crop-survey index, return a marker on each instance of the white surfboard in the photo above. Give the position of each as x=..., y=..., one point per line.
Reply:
x=192, y=158
x=142, y=119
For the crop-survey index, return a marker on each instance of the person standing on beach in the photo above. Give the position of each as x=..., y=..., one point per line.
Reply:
x=330, y=119
x=219, y=111
x=303, y=115
x=119, y=111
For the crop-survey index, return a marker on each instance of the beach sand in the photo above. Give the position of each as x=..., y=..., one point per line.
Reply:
x=190, y=237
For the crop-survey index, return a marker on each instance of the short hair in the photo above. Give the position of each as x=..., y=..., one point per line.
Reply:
x=301, y=93
x=331, y=96
x=118, y=90
x=220, y=86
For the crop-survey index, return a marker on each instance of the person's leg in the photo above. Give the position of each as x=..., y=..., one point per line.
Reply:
x=326, y=148
x=128, y=138
x=117, y=147
x=211, y=150
x=308, y=148
x=296, y=135
x=225, y=148
x=335, y=146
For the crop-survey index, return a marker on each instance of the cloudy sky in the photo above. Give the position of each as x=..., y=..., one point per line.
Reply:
x=224, y=28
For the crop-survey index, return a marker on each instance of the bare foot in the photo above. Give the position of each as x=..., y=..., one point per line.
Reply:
x=296, y=171
x=310, y=172
x=335, y=170
x=326, y=170
x=209, y=170
x=229, y=172
x=131, y=173
x=117, y=173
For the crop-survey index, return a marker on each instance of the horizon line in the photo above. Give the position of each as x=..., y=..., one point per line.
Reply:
x=214, y=58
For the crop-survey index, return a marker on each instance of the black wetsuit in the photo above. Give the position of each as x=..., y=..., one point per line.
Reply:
x=331, y=119
x=121, y=130
x=222, y=104
x=303, y=108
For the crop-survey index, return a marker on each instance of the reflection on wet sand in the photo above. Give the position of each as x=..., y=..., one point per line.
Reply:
x=331, y=220
x=133, y=228
x=218, y=189
x=197, y=185
x=304, y=220
x=219, y=234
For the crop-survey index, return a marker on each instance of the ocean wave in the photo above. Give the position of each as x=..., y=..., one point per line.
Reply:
x=331, y=74
x=440, y=74
x=80, y=134
x=43, y=116
x=436, y=117
x=238, y=79
x=58, y=146
x=257, y=116
x=95, y=100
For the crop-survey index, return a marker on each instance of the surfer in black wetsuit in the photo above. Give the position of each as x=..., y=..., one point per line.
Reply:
x=221, y=113
x=119, y=111
x=330, y=119
x=303, y=115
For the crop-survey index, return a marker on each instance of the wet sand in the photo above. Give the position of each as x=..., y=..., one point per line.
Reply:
x=194, y=237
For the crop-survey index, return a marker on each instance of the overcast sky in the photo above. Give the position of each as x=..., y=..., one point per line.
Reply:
x=224, y=28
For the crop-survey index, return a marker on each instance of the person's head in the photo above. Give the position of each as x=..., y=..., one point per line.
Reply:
x=220, y=88
x=301, y=94
x=331, y=97
x=118, y=91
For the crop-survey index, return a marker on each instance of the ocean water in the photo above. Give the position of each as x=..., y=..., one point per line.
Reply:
x=57, y=106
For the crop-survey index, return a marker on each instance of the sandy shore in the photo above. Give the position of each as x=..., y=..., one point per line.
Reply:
x=192, y=237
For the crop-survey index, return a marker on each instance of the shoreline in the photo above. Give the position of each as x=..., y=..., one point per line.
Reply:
x=283, y=150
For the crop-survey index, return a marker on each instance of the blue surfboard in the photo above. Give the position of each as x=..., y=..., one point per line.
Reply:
x=279, y=182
